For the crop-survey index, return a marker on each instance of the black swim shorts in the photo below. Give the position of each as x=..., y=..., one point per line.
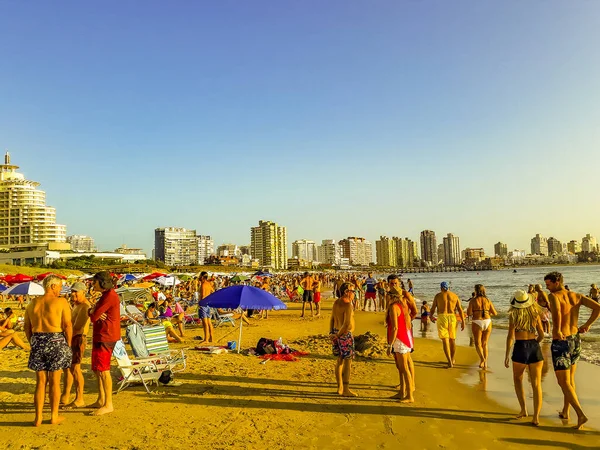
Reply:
x=49, y=352
x=527, y=352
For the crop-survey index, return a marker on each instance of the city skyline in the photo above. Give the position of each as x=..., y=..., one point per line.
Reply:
x=356, y=121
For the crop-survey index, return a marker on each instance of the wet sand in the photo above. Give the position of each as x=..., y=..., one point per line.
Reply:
x=233, y=401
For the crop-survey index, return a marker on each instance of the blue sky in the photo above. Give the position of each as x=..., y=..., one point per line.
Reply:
x=335, y=119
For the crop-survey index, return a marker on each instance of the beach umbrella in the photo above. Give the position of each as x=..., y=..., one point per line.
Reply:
x=127, y=277
x=239, y=278
x=167, y=281
x=154, y=275
x=27, y=288
x=18, y=278
x=244, y=297
x=41, y=276
x=2, y=288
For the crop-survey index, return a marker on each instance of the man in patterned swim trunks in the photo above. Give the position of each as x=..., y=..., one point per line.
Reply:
x=566, y=342
x=49, y=331
x=341, y=327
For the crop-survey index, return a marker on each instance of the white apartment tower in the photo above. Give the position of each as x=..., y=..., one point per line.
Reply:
x=329, y=252
x=588, y=244
x=358, y=250
x=268, y=244
x=176, y=246
x=451, y=250
x=539, y=245
x=80, y=243
x=206, y=247
x=305, y=249
x=24, y=216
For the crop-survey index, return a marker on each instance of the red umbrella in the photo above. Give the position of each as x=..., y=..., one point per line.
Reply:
x=41, y=276
x=153, y=275
x=20, y=278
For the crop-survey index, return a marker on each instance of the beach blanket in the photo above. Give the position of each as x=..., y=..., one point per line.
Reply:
x=293, y=356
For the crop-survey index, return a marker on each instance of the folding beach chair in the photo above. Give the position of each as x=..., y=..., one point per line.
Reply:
x=157, y=347
x=144, y=371
x=134, y=313
x=220, y=319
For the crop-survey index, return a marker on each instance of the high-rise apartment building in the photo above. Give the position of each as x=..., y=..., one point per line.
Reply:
x=206, y=247
x=176, y=246
x=539, y=245
x=573, y=247
x=554, y=246
x=404, y=251
x=385, y=252
x=329, y=252
x=358, y=250
x=451, y=250
x=429, y=247
x=268, y=244
x=305, y=250
x=589, y=244
x=80, y=243
x=501, y=250
x=24, y=216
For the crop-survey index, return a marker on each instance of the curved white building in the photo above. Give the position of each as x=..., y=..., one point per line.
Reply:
x=24, y=217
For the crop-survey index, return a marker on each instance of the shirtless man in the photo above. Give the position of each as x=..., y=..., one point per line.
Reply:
x=206, y=288
x=594, y=293
x=317, y=295
x=49, y=331
x=447, y=303
x=308, y=295
x=81, y=325
x=566, y=343
x=341, y=327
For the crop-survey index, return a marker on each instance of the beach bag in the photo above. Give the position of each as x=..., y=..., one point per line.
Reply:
x=265, y=346
x=166, y=377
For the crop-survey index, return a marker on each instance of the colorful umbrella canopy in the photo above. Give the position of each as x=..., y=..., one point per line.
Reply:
x=41, y=276
x=128, y=277
x=167, y=281
x=239, y=278
x=154, y=275
x=18, y=278
x=27, y=288
x=245, y=297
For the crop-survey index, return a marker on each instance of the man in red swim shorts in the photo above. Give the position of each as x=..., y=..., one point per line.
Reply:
x=105, y=316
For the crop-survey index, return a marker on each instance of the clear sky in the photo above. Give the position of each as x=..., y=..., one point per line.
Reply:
x=337, y=118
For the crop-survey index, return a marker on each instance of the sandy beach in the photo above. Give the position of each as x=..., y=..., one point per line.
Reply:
x=233, y=401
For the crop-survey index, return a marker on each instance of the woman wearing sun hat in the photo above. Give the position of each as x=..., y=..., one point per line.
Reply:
x=525, y=329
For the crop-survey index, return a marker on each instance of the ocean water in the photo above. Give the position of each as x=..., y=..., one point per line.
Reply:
x=501, y=284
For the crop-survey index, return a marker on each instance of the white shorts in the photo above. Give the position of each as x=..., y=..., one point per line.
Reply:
x=399, y=347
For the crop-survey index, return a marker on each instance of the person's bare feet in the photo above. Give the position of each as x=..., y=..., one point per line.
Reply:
x=349, y=393
x=481, y=365
x=535, y=422
x=409, y=399
x=340, y=390
x=37, y=422
x=95, y=405
x=521, y=415
x=562, y=415
x=102, y=411
x=56, y=420
x=74, y=405
x=580, y=421
x=398, y=396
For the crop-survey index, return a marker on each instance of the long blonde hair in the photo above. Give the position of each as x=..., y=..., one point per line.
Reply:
x=525, y=318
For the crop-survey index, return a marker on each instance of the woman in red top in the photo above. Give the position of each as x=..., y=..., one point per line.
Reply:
x=400, y=342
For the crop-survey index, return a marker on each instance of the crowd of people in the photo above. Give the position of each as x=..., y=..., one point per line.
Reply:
x=57, y=329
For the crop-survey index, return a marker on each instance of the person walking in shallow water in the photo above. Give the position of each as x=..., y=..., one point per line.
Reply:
x=481, y=309
x=566, y=340
x=447, y=304
x=524, y=321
